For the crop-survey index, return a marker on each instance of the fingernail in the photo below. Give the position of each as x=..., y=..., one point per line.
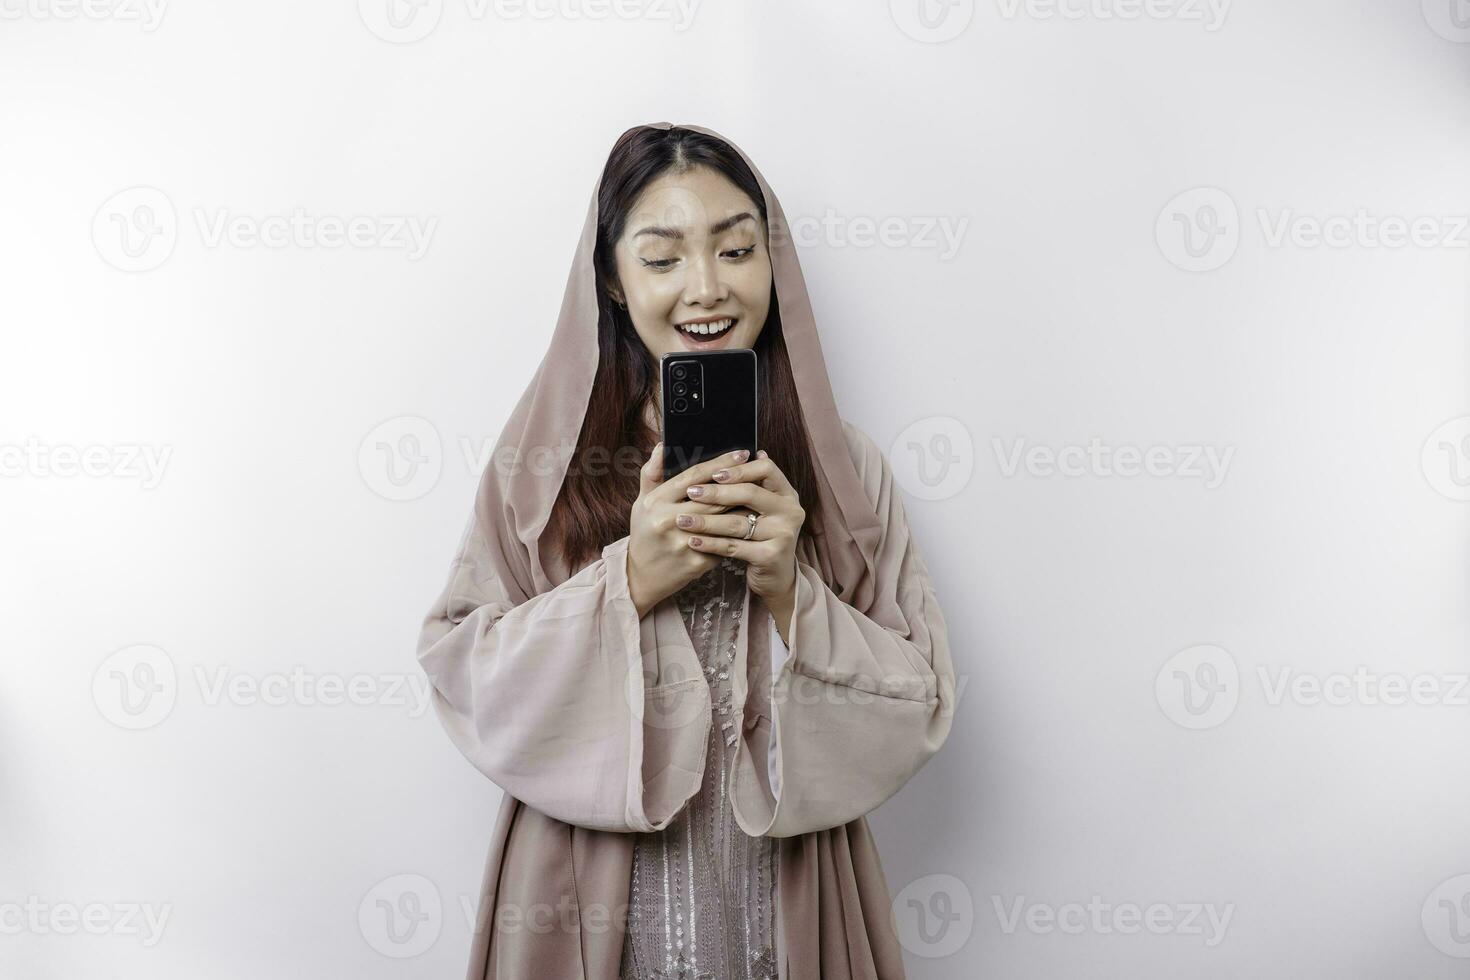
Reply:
x=695, y=491
x=741, y=455
x=722, y=475
x=762, y=454
x=695, y=541
x=684, y=520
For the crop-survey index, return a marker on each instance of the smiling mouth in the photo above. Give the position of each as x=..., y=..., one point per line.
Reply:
x=705, y=332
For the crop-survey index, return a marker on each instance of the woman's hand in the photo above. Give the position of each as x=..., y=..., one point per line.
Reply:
x=660, y=559
x=761, y=488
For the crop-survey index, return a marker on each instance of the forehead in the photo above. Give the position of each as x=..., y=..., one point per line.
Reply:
x=689, y=201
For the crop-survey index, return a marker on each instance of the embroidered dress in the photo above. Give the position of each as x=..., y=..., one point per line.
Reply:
x=700, y=905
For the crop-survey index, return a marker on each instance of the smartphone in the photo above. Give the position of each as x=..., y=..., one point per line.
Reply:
x=709, y=406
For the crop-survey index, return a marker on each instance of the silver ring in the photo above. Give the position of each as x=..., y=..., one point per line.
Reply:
x=750, y=531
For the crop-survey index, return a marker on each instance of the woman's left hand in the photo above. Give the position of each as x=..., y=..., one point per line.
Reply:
x=757, y=487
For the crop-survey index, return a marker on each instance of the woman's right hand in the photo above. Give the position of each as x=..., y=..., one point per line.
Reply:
x=660, y=561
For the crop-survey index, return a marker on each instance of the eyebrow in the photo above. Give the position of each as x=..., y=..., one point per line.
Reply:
x=714, y=229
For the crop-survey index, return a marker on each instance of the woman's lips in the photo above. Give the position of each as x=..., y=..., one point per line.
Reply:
x=692, y=341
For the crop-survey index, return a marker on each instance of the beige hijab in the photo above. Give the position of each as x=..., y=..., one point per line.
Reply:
x=550, y=412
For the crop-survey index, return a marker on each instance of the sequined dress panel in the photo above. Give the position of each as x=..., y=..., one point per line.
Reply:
x=701, y=901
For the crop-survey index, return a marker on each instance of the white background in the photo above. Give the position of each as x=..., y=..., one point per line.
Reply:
x=1073, y=310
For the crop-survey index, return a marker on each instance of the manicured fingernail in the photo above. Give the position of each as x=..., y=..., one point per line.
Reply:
x=762, y=454
x=695, y=541
x=684, y=520
x=722, y=475
x=695, y=491
x=741, y=455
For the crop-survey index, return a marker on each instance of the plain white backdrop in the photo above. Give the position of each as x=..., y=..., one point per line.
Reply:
x=1159, y=310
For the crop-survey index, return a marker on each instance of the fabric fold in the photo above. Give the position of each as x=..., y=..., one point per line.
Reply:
x=567, y=700
x=859, y=705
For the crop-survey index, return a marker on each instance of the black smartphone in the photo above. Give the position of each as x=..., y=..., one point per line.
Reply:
x=709, y=406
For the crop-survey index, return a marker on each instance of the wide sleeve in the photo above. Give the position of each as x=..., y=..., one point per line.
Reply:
x=568, y=701
x=856, y=707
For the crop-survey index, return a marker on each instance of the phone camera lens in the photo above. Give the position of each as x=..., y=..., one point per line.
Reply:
x=681, y=404
x=680, y=371
x=681, y=388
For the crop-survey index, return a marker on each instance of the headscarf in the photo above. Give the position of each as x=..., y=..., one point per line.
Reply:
x=515, y=502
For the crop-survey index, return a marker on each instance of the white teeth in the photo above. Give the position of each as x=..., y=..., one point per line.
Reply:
x=709, y=329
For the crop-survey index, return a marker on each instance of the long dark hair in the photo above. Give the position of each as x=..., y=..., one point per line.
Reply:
x=591, y=511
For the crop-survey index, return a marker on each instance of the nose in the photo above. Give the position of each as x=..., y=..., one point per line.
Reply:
x=703, y=287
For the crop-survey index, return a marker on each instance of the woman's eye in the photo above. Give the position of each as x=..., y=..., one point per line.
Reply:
x=657, y=263
x=740, y=253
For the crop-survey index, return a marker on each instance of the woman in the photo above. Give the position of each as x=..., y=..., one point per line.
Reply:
x=684, y=798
